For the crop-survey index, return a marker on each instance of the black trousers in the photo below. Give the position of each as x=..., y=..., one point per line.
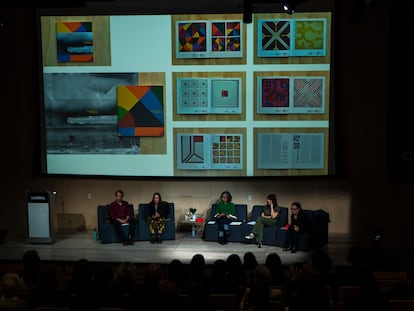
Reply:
x=131, y=229
x=292, y=238
x=223, y=227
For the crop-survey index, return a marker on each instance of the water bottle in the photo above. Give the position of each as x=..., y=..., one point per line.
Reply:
x=95, y=235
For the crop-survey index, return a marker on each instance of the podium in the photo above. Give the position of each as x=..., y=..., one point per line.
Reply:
x=39, y=217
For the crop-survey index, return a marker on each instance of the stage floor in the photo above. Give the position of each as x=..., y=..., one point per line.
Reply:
x=81, y=245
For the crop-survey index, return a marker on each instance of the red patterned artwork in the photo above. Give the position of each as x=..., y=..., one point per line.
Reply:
x=275, y=92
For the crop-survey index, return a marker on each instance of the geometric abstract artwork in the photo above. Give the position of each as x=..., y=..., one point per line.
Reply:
x=140, y=110
x=209, y=151
x=74, y=41
x=274, y=37
x=284, y=95
x=225, y=36
x=291, y=37
x=275, y=92
x=309, y=36
x=209, y=39
x=308, y=93
x=209, y=95
x=192, y=37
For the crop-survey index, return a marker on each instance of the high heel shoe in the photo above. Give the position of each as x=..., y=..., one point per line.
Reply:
x=259, y=245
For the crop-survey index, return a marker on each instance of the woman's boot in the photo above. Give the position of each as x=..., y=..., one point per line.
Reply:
x=226, y=236
x=221, y=237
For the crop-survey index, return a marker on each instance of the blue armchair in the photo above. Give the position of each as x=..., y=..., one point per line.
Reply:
x=106, y=232
x=142, y=232
x=319, y=235
x=235, y=230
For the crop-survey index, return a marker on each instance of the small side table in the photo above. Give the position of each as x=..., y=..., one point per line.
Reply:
x=195, y=226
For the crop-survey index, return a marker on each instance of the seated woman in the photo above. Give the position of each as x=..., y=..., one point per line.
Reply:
x=268, y=217
x=225, y=214
x=158, y=211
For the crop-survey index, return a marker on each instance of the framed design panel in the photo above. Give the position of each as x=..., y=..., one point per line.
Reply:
x=209, y=38
x=62, y=32
x=278, y=38
x=209, y=95
x=291, y=37
x=283, y=94
x=293, y=150
x=208, y=152
x=214, y=96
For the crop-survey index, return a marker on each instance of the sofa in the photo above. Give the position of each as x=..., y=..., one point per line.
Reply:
x=142, y=232
x=235, y=228
x=276, y=236
x=106, y=232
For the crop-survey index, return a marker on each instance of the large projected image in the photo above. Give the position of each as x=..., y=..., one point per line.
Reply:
x=81, y=114
x=210, y=97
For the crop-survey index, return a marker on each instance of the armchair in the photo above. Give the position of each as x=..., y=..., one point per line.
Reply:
x=142, y=232
x=319, y=235
x=235, y=230
x=106, y=231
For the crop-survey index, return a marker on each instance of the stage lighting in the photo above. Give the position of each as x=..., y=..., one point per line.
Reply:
x=288, y=7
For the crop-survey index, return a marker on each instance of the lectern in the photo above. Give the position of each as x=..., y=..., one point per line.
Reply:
x=39, y=217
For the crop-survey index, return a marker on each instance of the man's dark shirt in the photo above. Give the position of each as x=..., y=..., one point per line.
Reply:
x=119, y=211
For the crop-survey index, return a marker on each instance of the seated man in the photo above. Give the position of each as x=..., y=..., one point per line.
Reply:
x=299, y=223
x=119, y=212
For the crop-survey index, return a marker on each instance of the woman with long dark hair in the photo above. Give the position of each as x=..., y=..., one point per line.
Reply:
x=269, y=217
x=158, y=212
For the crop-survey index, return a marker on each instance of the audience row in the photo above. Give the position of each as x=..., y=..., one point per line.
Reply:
x=300, y=286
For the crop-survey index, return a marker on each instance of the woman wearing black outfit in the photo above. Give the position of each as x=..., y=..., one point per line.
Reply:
x=158, y=212
x=299, y=223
